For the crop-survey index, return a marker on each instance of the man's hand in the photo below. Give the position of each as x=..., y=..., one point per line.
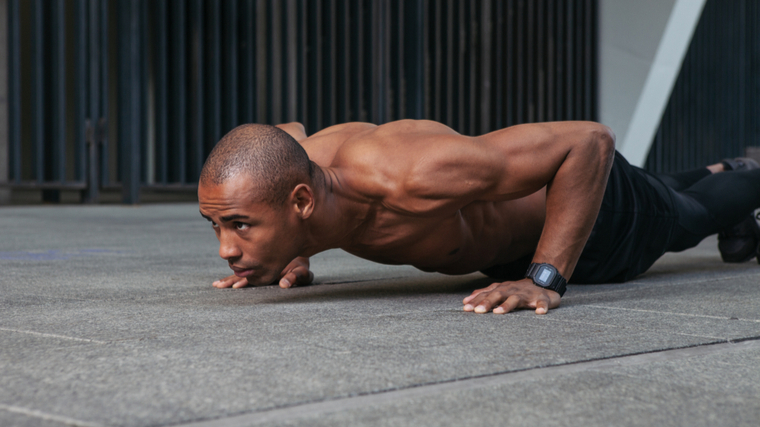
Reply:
x=295, y=274
x=505, y=297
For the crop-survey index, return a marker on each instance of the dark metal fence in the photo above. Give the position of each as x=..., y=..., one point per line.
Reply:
x=714, y=110
x=133, y=94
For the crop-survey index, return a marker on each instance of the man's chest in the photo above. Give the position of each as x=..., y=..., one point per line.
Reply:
x=458, y=243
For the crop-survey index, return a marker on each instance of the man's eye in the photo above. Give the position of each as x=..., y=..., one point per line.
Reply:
x=241, y=226
x=213, y=224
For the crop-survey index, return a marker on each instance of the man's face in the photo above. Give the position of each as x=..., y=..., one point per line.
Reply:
x=256, y=239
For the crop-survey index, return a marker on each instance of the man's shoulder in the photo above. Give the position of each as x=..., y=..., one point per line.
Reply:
x=323, y=145
x=398, y=162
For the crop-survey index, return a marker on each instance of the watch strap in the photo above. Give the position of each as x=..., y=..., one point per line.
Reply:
x=558, y=283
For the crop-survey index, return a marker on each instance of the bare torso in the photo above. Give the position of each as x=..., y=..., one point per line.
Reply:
x=383, y=170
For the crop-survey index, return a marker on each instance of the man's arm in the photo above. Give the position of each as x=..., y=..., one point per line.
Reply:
x=573, y=160
x=441, y=171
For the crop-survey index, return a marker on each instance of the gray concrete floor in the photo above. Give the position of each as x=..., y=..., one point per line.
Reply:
x=108, y=318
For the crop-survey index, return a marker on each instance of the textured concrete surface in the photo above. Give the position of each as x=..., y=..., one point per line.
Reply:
x=108, y=318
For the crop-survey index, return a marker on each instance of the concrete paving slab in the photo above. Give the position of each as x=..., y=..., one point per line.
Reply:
x=679, y=391
x=109, y=319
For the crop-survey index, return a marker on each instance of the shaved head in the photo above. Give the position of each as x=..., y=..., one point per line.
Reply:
x=269, y=156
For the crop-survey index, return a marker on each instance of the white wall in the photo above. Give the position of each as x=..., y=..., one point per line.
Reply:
x=642, y=44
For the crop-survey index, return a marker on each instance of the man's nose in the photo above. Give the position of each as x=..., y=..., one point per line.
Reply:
x=228, y=250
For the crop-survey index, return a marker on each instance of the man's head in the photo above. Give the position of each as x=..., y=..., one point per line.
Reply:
x=273, y=161
x=255, y=188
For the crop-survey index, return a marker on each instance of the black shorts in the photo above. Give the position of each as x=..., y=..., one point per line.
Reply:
x=633, y=229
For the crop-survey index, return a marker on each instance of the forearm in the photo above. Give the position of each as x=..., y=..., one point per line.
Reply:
x=573, y=198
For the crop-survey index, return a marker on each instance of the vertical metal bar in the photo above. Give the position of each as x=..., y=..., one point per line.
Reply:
x=130, y=122
x=754, y=27
x=161, y=95
x=414, y=58
x=247, y=63
x=396, y=59
x=214, y=71
x=510, y=62
x=342, y=41
x=461, y=55
x=530, y=62
x=550, y=53
x=486, y=112
x=314, y=85
x=500, y=97
x=426, y=61
x=80, y=88
x=197, y=101
x=303, y=63
x=579, y=61
x=385, y=63
x=560, y=63
x=290, y=61
x=590, y=71
x=179, y=68
x=92, y=193
x=274, y=63
x=58, y=93
x=329, y=53
x=230, y=82
x=540, y=55
x=376, y=36
x=569, y=56
x=38, y=118
x=471, y=77
x=14, y=97
x=439, y=89
x=357, y=63
x=520, y=63
x=102, y=123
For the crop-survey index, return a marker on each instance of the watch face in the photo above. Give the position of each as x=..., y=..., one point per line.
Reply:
x=545, y=275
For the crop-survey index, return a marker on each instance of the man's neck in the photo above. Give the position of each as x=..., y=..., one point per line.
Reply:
x=335, y=216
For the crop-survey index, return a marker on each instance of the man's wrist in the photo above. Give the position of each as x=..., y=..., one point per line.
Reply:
x=547, y=276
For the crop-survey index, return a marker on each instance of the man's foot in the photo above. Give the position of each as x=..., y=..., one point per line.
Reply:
x=735, y=243
x=739, y=164
x=740, y=242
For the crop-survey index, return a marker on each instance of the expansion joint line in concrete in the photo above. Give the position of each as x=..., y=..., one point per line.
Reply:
x=310, y=409
x=47, y=417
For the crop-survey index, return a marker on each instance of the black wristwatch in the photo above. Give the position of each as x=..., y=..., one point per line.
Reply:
x=547, y=276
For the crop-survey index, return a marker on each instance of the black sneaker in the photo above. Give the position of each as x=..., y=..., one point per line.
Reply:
x=735, y=243
x=740, y=242
x=740, y=164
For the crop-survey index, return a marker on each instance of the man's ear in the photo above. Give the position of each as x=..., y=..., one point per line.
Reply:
x=302, y=200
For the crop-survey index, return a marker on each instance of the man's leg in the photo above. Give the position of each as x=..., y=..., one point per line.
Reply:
x=714, y=203
x=682, y=180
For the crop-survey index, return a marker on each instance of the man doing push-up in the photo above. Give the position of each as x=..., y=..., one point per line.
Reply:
x=531, y=206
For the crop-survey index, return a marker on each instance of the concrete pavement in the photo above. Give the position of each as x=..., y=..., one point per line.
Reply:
x=109, y=319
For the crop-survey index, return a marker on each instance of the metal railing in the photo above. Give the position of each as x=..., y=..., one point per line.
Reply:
x=133, y=94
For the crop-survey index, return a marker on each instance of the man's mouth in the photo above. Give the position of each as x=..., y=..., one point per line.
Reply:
x=241, y=272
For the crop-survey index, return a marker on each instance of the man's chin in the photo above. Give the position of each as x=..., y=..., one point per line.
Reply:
x=262, y=279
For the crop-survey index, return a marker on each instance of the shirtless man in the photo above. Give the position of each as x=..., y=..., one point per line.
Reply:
x=418, y=193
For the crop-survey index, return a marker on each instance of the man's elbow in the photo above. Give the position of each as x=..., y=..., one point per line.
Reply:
x=603, y=140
